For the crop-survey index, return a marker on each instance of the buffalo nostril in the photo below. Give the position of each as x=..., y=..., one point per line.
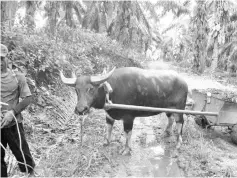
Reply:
x=76, y=111
x=86, y=110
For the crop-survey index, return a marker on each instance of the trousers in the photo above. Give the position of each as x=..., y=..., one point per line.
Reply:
x=10, y=137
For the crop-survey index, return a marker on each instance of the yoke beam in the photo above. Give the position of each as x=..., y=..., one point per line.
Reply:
x=108, y=106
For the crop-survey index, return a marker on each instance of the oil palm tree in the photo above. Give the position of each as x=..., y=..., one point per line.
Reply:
x=223, y=28
x=98, y=15
x=52, y=14
x=130, y=26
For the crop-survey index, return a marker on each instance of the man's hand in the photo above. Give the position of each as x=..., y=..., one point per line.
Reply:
x=8, y=117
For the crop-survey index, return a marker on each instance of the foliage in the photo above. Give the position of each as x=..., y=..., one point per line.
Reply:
x=130, y=28
x=72, y=49
x=220, y=26
x=176, y=7
x=123, y=21
x=136, y=25
x=98, y=16
x=173, y=48
x=223, y=27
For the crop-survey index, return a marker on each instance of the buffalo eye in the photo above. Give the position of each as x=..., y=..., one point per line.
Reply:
x=90, y=90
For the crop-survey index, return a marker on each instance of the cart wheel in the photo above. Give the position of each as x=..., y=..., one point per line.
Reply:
x=233, y=134
x=202, y=121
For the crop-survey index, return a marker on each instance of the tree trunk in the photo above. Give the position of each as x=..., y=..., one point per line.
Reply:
x=69, y=14
x=52, y=17
x=215, y=56
x=30, y=14
x=202, y=62
x=200, y=37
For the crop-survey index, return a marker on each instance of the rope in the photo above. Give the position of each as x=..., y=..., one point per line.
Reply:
x=18, y=130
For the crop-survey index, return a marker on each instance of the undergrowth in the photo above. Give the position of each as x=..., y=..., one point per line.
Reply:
x=201, y=155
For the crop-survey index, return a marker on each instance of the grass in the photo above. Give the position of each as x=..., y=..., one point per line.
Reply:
x=203, y=154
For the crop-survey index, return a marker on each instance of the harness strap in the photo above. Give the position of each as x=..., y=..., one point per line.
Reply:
x=107, y=87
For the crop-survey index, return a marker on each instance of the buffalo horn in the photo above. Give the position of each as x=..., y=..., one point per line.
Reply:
x=68, y=81
x=102, y=78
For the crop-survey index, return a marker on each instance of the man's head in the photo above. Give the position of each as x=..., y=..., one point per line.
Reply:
x=4, y=60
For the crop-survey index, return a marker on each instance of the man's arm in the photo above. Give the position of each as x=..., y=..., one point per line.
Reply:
x=9, y=115
x=22, y=105
x=25, y=94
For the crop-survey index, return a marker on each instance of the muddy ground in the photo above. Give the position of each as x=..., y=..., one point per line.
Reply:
x=61, y=149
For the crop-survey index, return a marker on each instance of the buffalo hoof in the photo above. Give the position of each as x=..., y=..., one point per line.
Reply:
x=126, y=151
x=106, y=142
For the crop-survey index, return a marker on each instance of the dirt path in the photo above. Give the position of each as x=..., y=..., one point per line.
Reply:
x=152, y=155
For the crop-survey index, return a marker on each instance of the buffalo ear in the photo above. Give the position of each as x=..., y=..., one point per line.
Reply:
x=96, y=80
x=68, y=81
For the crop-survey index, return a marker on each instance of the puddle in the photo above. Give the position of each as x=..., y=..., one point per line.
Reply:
x=151, y=156
x=163, y=165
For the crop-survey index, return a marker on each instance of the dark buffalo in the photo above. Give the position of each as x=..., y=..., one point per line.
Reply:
x=132, y=86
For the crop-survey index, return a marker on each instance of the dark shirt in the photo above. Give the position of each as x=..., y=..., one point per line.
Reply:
x=13, y=87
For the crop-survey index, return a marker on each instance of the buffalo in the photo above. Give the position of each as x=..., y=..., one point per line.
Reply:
x=132, y=86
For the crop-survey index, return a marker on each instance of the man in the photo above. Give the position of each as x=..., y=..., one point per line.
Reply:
x=13, y=87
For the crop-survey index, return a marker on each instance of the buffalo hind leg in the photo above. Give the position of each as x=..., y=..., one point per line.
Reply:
x=168, y=130
x=179, y=119
x=110, y=123
x=179, y=124
x=127, y=125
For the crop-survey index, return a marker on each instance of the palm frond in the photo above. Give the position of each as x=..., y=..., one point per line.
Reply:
x=187, y=3
x=233, y=55
x=142, y=15
x=170, y=27
x=177, y=23
x=176, y=8
x=148, y=6
x=228, y=48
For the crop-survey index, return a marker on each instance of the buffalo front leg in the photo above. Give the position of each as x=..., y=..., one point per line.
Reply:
x=110, y=123
x=127, y=125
